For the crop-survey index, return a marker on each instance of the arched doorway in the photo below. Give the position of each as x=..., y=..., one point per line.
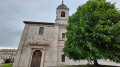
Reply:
x=36, y=59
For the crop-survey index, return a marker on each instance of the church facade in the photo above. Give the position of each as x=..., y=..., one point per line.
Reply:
x=41, y=43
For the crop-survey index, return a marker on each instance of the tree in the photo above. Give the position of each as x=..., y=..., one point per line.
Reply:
x=93, y=32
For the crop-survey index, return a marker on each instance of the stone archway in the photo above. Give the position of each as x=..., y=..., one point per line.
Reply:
x=36, y=59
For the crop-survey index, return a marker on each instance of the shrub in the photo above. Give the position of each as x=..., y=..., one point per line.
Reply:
x=8, y=60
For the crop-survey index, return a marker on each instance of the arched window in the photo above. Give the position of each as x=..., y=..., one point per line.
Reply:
x=62, y=14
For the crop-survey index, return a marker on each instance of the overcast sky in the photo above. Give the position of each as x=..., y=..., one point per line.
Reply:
x=14, y=12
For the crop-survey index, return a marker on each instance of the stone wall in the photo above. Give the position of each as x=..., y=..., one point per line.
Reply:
x=32, y=37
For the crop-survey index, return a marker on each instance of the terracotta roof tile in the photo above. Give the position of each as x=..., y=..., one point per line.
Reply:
x=8, y=50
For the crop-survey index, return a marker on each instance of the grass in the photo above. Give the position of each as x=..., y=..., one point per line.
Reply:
x=7, y=65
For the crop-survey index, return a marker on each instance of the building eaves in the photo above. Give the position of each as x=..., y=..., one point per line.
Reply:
x=8, y=50
x=33, y=22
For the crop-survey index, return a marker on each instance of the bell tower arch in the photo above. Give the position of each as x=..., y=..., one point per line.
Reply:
x=62, y=14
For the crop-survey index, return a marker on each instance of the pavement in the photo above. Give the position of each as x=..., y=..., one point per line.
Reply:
x=111, y=63
x=101, y=62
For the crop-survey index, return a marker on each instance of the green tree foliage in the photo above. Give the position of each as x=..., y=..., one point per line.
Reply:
x=93, y=32
x=7, y=60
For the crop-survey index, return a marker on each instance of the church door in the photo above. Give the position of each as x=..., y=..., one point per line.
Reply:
x=36, y=59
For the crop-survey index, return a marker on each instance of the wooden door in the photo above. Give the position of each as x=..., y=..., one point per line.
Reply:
x=36, y=59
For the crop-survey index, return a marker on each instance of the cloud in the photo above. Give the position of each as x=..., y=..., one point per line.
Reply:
x=14, y=12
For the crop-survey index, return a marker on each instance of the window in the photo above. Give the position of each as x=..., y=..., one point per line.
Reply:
x=62, y=14
x=63, y=35
x=41, y=30
x=63, y=58
x=9, y=56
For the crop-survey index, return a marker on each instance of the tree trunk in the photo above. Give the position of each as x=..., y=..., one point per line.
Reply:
x=96, y=63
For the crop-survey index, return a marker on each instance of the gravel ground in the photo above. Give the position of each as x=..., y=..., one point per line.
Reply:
x=108, y=63
x=101, y=62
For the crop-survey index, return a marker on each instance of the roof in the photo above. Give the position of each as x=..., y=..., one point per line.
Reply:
x=62, y=6
x=8, y=50
x=33, y=22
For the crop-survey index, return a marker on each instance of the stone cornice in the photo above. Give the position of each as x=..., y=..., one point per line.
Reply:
x=33, y=22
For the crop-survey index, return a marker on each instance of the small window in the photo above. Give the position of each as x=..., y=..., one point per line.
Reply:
x=63, y=58
x=41, y=30
x=63, y=35
x=9, y=56
x=62, y=14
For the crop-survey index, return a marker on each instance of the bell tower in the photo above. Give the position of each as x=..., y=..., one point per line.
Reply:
x=62, y=14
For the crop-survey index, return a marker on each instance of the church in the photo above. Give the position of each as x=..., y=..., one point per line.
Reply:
x=41, y=43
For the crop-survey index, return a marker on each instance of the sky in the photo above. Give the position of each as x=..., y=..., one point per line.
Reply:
x=14, y=12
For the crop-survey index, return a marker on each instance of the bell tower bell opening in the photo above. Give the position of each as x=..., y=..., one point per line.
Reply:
x=62, y=14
